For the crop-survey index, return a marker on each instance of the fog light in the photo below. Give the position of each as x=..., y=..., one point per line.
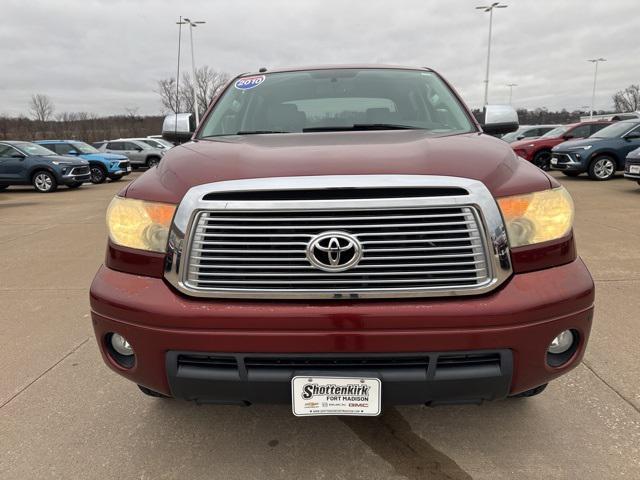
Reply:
x=560, y=344
x=121, y=345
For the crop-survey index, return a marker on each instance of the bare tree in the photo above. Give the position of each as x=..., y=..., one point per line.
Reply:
x=41, y=107
x=167, y=91
x=207, y=85
x=627, y=100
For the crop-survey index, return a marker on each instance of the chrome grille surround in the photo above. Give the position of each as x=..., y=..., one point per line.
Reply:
x=459, y=247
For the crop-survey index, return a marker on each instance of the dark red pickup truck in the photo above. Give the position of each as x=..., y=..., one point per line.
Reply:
x=341, y=238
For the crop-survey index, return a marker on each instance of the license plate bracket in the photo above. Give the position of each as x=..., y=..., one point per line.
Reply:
x=325, y=395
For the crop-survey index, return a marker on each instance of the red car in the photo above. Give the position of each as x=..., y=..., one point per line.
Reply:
x=340, y=238
x=538, y=151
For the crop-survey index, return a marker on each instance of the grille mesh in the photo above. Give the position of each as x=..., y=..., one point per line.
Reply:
x=403, y=249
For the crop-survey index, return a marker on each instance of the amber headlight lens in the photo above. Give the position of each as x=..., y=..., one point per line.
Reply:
x=139, y=224
x=537, y=217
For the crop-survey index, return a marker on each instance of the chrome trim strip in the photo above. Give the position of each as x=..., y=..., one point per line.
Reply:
x=480, y=201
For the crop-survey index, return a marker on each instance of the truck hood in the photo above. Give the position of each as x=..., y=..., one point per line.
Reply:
x=411, y=152
x=102, y=156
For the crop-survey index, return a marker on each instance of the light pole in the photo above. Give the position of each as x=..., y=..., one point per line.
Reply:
x=489, y=8
x=193, y=24
x=179, y=23
x=595, y=61
x=511, y=85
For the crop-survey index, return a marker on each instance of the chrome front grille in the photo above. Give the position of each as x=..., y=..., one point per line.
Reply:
x=408, y=246
x=437, y=248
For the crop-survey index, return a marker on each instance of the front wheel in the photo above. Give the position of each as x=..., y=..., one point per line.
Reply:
x=530, y=393
x=75, y=185
x=153, y=162
x=602, y=168
x=542, y=160
x=45, y=182
x=98, y=174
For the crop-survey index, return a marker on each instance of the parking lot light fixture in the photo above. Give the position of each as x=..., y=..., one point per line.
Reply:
x=192, y=25
x=489, y=8
x=595, y=61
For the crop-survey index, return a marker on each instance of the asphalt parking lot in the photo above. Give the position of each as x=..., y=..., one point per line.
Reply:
x=63, y=414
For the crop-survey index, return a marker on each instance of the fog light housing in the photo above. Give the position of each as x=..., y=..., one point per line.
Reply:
x=120, y=350
x=121, y=345
x=562, y=348
x=561, y=343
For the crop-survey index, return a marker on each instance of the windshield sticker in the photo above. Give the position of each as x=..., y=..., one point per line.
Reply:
x=248, y=83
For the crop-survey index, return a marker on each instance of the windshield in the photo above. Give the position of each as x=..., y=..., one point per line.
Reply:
x=32, y=149
x=84, y=147
x=556, y=132
x=615, y=130
x=342, y=99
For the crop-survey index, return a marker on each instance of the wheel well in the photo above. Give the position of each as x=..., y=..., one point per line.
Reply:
x=608, y=153
x=152, y=156
x=98, y=164
x=37, y=170
x=540, y=150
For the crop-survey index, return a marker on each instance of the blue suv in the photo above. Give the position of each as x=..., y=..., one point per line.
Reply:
x=25, y=163
x=600, y=155
x=103, y=165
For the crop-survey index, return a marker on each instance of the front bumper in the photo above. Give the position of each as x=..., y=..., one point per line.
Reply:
x=628, y=174
x=568, y=162
x=517, y=321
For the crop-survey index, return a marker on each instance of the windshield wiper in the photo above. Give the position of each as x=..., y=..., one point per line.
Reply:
x=260, y=132
x=362, y=127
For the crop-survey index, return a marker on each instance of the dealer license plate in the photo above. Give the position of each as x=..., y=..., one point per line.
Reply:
x=554, y=161
x=315, y=396
x=634, y=169
x=128, y=169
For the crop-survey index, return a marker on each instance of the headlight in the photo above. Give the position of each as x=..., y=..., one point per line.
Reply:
x=139, y=224
x=583, y=147
x=537, y=217
x=58, y=162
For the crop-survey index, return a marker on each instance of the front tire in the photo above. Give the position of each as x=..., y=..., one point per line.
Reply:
x=542, y=160
x=98, y=174
x=530, y=393
x=602, y=168
x=44, y=182
x=153, y=162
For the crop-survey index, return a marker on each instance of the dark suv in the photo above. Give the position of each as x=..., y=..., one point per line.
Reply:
x=601, y=154
x=24, y=163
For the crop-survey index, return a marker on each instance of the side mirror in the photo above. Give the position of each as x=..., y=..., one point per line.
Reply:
x=138, y=149
x=568, y=137
x=520, y=137
x=18, y=156
x=178, y=127
x=499, y=119
x=72, y=152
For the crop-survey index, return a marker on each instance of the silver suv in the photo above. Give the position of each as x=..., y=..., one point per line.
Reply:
x=139, y=153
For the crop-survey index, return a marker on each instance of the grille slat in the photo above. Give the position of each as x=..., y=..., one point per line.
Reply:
x=430, y=248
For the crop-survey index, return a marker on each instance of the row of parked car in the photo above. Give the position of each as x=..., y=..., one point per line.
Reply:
x=46, y=164
x=598, y=148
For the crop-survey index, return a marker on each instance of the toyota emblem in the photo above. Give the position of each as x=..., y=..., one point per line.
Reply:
x=334, y=251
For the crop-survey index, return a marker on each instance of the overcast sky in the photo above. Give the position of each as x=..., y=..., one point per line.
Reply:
x=103, y=56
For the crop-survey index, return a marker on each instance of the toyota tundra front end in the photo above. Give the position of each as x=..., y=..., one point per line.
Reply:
x=340, y=239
